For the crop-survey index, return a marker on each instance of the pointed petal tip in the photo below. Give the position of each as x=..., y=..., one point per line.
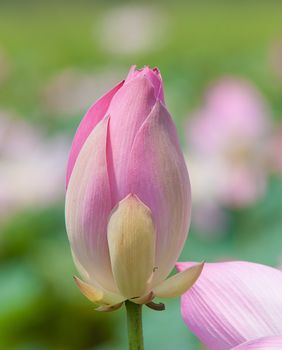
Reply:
x=130, y=196
x=132, y=199
x=131, y=71
x=93, y=294
x=131, y=239
x=98, y=295
x=178, y=284
x=184, y=265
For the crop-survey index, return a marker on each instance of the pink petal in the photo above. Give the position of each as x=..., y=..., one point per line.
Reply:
x=88, y=205
x=267, y=343
x=236, y=109
x=128, y=110
x=233, y=302
x=94, y=114
x=238, y=105
x=157, y=174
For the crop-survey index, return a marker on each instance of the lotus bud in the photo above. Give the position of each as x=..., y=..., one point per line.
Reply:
x=128, y=200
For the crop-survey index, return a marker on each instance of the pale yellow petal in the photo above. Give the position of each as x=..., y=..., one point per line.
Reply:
x=131, y=238
x=97, y=295
x=178, y=284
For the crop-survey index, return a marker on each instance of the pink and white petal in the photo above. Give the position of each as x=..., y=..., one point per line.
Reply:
x=233, y=302
x=128, y=110
x=92, y=117
x=157, y=174
x=243, y=185
x=88, y=205
x=266, y=343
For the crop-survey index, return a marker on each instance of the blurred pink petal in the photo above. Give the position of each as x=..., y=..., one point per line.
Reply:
x=243, y=185
x=233, y=112
x=238, y=106
x=266, y=343
x=29, y=159
x=232, y=128
x=233, y=302
x=210, y=219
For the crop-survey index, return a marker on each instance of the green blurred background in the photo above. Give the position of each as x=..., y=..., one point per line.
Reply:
x=56, y=58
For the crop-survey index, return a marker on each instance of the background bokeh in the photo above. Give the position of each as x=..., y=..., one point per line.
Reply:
x=219, y=60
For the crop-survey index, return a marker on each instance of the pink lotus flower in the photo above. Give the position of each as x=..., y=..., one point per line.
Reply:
x=128, y=196
x=235, y=305
x=229, y=134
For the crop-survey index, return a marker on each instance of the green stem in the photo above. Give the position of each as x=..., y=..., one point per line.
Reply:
x=134, y=326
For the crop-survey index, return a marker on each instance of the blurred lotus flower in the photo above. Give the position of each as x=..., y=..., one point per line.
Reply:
x=231, y=130
x=71, y=91
x=28, y=159
x=147, y=29
x=235, y=305
x=229, y=151
x=128, y=196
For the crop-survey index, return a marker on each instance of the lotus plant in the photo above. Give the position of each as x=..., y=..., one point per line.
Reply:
x=128, y=208
x=128, y=201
